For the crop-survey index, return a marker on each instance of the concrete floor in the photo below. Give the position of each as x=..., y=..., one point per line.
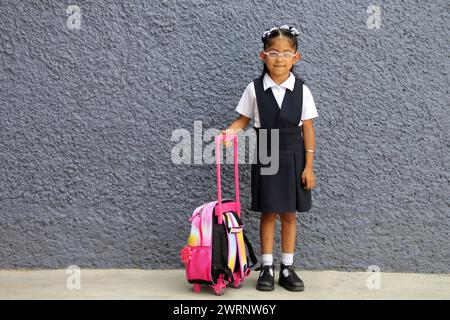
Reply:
x=171, y=284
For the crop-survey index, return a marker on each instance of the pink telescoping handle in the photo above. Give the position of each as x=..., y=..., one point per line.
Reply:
x=218, y=140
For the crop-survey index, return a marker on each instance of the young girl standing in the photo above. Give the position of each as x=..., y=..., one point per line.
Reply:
x=279, y=100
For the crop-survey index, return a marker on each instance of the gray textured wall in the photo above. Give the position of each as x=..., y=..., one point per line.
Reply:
x=86, y=117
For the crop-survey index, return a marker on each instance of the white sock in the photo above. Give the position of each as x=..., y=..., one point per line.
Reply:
x=267, y=260
x=287, y=259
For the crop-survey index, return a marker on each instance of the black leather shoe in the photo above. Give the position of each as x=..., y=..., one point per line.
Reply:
x=292, y=282
x=266, y=281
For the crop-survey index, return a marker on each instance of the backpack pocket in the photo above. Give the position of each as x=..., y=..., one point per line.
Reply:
x=199, y=264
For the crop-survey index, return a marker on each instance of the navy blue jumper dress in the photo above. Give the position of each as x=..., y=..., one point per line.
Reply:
x=283, y=191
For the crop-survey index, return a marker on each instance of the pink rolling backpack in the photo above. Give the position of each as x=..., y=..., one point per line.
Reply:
x=216, y=254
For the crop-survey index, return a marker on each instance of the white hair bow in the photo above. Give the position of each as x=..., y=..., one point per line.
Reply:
x=292, y=30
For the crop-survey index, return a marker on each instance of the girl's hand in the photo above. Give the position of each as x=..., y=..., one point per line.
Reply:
x=308, y=179
x=227, y=143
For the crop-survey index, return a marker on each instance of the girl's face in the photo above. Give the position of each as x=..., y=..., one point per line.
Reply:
x=280, y=66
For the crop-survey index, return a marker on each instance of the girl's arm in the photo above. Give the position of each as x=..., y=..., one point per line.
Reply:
x=237, y=125
x=308, y=140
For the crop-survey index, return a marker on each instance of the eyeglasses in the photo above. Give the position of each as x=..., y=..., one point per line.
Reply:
x=274, y=54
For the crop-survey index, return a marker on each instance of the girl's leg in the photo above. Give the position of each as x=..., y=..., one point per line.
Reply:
x=267, y=228
x=266, y=281
x=288, y=231
x=288, y=278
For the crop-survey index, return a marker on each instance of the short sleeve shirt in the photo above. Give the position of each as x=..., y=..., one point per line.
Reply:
x=247, y=105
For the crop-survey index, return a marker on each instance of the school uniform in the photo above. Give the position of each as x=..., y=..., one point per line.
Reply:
x=281, y=107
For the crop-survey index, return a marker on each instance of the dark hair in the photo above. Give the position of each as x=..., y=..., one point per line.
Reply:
x=275, y=34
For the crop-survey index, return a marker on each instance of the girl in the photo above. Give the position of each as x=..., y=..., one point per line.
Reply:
x=279, y=100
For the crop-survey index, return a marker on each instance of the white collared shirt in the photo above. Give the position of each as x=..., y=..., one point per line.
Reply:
x=247, y=105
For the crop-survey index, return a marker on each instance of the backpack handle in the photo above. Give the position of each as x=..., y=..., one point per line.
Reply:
x=218, y=140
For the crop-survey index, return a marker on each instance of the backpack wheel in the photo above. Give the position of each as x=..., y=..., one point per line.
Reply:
x=238, y=281
x=219, y=287
x=219, y=291
x=197, y=287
